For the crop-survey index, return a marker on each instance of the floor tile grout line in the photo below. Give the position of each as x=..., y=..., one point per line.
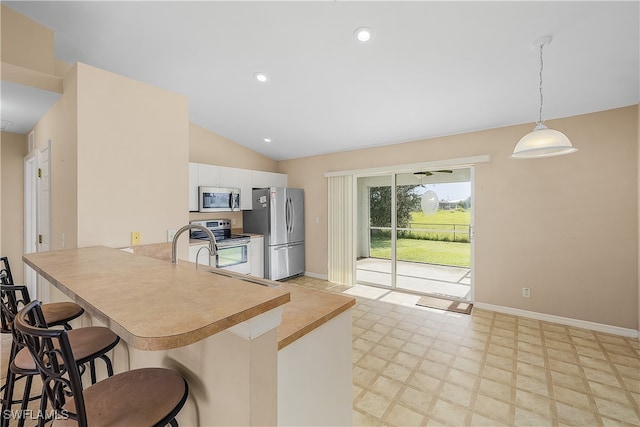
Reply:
x=555, y=419
x=585, y=379
x=553, y=355
x=623, y=385
x=514, y=375
x=478, y=380
x=373, y=381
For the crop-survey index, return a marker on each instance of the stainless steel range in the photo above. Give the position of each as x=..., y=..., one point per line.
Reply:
x=233, y=249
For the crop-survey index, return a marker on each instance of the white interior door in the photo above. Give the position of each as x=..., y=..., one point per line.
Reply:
x=44, y=199
x=37, y=213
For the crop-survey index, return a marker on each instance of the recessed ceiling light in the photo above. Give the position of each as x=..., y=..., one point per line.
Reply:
x=261, y=77
x=267, y=140
x=363, y=34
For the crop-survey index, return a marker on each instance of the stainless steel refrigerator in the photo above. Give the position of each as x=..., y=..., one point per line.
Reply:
x=278, y=214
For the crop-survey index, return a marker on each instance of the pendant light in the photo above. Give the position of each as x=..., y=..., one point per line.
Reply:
x=542, y=142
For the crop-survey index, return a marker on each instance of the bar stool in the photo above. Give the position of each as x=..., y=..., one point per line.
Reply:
x=56, y=313
x=87, y=343
x=13, y=297
x=141, y=397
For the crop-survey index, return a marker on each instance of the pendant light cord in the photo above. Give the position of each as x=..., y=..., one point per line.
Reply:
x=541, y=98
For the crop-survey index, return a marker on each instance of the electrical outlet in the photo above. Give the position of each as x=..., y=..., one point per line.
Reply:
x=526, y=292
x=170, y=235
x=136, y=237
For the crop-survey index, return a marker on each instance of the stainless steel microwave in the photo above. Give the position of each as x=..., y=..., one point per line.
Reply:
x=214, y=199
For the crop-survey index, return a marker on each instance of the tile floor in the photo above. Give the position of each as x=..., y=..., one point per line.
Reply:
x=415, y=366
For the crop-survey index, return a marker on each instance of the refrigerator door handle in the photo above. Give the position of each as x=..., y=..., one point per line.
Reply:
x=287, y=247
x=287, y=217
x=291, y=216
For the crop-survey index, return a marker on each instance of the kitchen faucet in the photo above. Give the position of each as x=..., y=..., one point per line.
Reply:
x=212, y=242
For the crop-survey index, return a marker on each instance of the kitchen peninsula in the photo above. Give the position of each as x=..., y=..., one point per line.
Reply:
x=220, y=332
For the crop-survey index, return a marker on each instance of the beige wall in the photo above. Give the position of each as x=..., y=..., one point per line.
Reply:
x=59, y=125
x=208, y=147
x=28, y=53
x=26, y=43
x=117, y=165
x=13, y=148
x=566, y=227
x=133, y=155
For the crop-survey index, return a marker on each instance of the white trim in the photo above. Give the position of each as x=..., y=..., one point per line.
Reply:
x=472, y=238
x=316, y=276
x=462, y=162
x=30, y=230
x=585, y=324
x=31, y=142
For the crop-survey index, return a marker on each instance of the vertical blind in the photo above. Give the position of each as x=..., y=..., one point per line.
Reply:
x=341, y=230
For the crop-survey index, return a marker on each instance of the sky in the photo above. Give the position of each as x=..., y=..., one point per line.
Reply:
x=448, y=191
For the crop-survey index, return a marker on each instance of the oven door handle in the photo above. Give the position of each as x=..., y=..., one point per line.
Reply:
x=233, y=245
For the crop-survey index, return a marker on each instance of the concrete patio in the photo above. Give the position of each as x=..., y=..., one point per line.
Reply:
x=432, y=279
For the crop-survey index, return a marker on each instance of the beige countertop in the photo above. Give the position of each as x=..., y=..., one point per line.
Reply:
x=308, y=308
x=125, y=292
x=153, y=304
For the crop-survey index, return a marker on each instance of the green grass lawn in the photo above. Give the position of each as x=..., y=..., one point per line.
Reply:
x=427, y=251
x=430, y=251
x=443, y=217
x=441, y=225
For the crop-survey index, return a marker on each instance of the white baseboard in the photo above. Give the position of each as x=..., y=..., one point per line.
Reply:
x=316, y=276
x=615, y=330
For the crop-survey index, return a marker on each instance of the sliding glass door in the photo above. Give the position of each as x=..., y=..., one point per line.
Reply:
x=414, y=232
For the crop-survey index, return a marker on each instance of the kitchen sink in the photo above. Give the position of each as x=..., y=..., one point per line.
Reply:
x=244, y=277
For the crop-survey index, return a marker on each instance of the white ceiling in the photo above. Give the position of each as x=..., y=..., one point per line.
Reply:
x=432, y=68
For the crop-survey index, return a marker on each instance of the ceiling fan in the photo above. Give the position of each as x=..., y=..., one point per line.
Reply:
x=429, y=173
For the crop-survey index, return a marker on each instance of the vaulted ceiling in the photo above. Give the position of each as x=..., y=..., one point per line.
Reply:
x=430, y=69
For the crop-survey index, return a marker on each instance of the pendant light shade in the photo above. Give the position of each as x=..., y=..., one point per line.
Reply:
x=542, y=141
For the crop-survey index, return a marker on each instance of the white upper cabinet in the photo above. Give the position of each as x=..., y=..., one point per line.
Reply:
x=228, y=177
x=208, y=175
x=261, y=179
x=204, y=175
x=244, y=183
